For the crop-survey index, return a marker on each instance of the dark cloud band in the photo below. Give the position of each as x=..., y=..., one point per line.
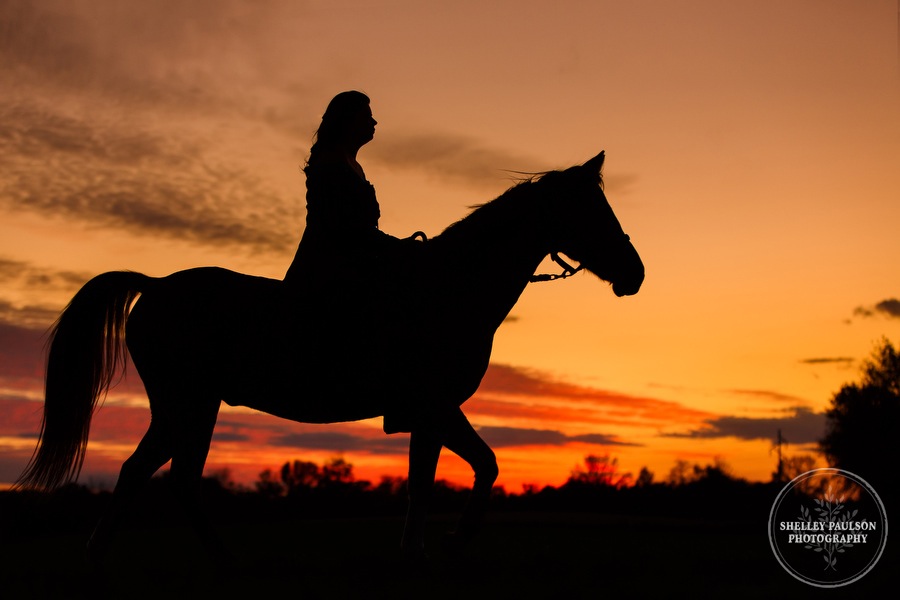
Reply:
x=889, y=308
x=802, y=427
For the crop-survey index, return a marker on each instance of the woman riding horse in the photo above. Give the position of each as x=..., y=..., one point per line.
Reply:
x=206, y=336
x=342, y=250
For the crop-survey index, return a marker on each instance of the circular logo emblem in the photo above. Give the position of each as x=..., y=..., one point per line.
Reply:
x=828, y=527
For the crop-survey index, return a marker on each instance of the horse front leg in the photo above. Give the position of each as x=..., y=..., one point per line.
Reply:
x=424, y=451
x=462, y=439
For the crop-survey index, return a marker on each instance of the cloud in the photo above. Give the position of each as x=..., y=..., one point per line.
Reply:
x=103, y=172
x=767, y=395
x=19, y=416
x=30, y=316
x=15, y=273
x=228, y=436
x=449, y=156
x=100, y=120
x=504, y=437
x=28, y=282
x=889, y=308
x=339, y=441
x=102, y=175
x=376, y=443
x=803, y=426
x=166, y=53
x=464, y=159
x=21, y=356
x=838, y=360
x=508, y=391
x=23, y=363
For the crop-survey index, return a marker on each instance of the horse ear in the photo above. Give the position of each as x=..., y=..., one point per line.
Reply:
x=596, y=163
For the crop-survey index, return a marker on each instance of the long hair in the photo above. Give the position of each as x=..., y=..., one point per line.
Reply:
x=331, y=129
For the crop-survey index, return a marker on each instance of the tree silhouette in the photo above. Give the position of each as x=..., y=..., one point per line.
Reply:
x=269, y=486
x=336, y=471
x=645, y=477
x=680, y=474
x=793, y=466
x=863, y=423
x=717, y=474
x=299, y=476
x=600, y=470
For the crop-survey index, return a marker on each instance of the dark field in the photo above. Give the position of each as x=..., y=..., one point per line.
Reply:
x=518, y=555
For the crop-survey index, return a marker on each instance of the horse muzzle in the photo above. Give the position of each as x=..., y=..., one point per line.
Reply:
x=628, y=287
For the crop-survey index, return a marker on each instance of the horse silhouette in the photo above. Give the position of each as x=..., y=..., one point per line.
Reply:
x=414, y=351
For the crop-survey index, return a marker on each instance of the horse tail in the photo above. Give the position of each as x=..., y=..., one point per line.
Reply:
x=86, y=349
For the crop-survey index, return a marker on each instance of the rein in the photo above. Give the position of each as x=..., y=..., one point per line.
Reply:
x=568, y=270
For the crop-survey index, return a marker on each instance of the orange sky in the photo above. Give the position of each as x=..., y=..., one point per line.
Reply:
x=752, y=153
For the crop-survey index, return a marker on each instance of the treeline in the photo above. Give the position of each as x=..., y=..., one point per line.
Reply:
x=598, y=485
x=303, y=490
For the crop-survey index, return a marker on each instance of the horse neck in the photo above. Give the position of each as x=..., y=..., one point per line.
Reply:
x=491, y=254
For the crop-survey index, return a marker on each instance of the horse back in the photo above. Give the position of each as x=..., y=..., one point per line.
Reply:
x=252, y=341
x=249, y=341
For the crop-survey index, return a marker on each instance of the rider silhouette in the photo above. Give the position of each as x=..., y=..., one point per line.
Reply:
x=341, y=250
x=348, y=274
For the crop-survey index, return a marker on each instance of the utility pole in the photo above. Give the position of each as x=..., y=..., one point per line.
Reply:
x=780, y=473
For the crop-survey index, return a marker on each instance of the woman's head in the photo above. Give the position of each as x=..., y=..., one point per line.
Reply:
x=346, y=124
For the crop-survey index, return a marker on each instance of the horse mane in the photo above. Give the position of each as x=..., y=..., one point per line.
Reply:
x=487, y=213
x=498, y=209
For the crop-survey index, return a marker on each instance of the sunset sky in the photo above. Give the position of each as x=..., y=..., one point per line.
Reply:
x=753, y=155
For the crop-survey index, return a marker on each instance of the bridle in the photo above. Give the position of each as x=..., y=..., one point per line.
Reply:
x=567, y=269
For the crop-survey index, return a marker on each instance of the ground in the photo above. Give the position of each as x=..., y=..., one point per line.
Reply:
x=519, y=555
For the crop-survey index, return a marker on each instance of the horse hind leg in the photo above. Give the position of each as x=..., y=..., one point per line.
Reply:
x=194, y=431
x=154, y=450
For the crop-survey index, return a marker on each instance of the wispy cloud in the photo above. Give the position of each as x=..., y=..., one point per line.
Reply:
x=21, y=356
x=165, y=55
x=98, y=123
x=16, y=273
x=23, y=363
x=504, y=437
x=450, y=156
x=510, y=391
x=122, y=425
x=103, y=175
x=28, y=315
x=840, y=361
x=29, y=283
x=339, y=441
x=21, y=416
x=466, y=159
x=768, y=395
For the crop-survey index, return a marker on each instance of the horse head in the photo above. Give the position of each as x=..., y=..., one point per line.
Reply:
x=582, y=225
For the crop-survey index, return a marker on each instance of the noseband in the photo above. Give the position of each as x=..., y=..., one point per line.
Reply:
x=567, y=269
